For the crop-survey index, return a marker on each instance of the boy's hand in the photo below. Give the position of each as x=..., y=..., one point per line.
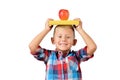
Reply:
x=47, y=26
x=79, y=26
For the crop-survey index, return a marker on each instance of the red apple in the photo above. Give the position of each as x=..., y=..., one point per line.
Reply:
x=63, y=14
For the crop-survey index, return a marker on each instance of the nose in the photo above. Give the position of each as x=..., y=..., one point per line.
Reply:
x=63, y=38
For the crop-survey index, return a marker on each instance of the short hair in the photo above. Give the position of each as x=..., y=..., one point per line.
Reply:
x=70, y=26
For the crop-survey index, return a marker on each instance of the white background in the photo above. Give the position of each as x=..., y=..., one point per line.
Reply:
x=22, y=20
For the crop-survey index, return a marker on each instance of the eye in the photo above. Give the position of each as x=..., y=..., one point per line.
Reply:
x=59, y=36
x=68, y=37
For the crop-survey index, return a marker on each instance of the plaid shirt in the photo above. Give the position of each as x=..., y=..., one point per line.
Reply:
x=62, y=68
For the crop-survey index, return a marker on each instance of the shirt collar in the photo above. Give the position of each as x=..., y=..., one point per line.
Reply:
x=61, y=54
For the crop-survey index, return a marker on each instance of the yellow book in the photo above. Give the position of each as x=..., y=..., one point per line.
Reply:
x=64, y=22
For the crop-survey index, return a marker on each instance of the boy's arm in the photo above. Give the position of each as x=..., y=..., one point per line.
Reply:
x=91, y=46
x=37, y=40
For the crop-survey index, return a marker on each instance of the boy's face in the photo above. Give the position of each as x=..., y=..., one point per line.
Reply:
x=63, y=38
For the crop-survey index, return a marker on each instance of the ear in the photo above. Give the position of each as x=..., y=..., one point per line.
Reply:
x=74, y=42
x=52, y=40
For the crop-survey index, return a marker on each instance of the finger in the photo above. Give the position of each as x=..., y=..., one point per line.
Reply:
x=50, y=26
x=74, y=26
x=77, y=19
x=50, y=19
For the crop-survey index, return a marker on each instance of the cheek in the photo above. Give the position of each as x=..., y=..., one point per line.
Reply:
x=56, y=41
x=70, y=41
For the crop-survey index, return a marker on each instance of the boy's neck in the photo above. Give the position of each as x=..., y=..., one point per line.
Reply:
x=64, y=53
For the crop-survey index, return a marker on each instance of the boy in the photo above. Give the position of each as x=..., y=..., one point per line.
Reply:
x=63, y=63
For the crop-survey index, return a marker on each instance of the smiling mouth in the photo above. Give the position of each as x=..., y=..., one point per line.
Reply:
x=63, y=44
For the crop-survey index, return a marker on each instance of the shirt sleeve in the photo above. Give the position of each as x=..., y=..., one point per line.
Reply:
x=42, y=54
x=82, y=54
